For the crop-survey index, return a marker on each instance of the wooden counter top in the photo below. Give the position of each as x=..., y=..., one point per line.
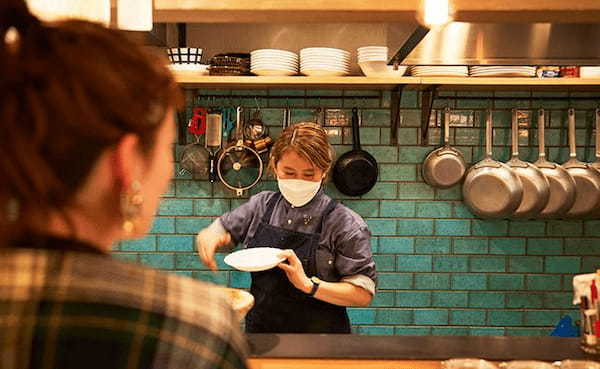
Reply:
x=427, y=350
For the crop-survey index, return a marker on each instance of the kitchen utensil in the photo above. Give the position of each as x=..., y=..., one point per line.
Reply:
x=596, y=164
x=355, y=172
x=239, y=166
x=445, y=166
x=536, y=189
x=491, y=189
x=254, y=259
x=194, y=159
x=214, y=126
x=587, y=179
x=197, y=125
x=228, y=117
x=562, y=185
x=255, y=129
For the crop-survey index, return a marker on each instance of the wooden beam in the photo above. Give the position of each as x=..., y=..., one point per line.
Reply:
x=282, y=11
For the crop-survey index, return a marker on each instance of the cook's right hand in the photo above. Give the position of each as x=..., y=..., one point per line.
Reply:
x=207, y=242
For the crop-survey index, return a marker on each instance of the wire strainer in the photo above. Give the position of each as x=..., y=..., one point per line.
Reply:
x=239, y=166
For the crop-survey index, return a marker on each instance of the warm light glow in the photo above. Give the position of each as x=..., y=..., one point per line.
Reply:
x=436, y=12
x=134, y=15
x=52, y=10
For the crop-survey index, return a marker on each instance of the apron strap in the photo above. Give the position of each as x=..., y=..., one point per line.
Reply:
x=270, y=207
x=330, y=207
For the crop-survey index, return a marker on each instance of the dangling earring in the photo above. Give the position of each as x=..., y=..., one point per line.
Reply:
x=13, y=210
x=131, y=206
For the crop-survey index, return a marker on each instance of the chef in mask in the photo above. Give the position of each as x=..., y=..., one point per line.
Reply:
x=328, y=262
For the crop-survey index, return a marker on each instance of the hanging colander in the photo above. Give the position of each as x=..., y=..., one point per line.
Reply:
x=239, y=167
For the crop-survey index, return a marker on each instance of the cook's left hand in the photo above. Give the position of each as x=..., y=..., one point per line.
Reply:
x=294, y=271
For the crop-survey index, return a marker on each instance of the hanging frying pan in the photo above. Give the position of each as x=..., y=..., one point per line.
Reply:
x=562, y=185
x=536, y=189
x=355, y=172
x=445, y=166
x=587, y=179
x=491, y=189
x=596, y=164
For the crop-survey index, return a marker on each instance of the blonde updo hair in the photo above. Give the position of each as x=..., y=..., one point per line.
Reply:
x=307, y=139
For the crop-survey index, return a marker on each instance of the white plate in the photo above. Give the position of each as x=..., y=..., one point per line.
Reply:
x=273, y=72
x=325, y=67
x=273, y=51
x=326, y=55
x=324, y=50
x=275, y=65
x=254, y=259
x=323, y=73
x=278, y=58
x=372, y=58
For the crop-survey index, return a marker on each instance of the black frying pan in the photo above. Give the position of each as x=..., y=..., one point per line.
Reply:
x=355, y=172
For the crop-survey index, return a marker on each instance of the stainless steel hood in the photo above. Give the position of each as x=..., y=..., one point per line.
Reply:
x=513, y=44
x=457, y=43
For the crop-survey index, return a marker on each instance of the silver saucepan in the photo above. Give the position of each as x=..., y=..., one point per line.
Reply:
x=491, y=189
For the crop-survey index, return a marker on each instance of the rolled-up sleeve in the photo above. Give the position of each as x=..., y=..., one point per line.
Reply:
x=354, y=259
x=237, y=222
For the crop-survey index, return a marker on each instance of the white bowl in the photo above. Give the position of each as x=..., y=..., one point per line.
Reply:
x=199, y=69
x=277, y=65
x=324, y=67
x=273, y=57
x=381, y=69
x=241, y=301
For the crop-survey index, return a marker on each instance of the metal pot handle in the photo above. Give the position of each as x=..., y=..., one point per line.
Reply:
x=488, y=135
x=541, y=123
x=515, y=134
x=597, y=133
x=447, y=126
x=572, y=147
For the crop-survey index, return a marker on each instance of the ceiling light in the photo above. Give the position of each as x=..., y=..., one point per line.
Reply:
x=134, y=15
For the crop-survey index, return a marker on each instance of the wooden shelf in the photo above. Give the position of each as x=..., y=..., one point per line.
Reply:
x=356, y=82
x=286, y=11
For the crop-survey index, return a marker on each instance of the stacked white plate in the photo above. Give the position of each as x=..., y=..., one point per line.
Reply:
x=373, y=62
x=324, y=61
x=273, y=62
x=589, y=72
x=502, y=71
x=439, y=71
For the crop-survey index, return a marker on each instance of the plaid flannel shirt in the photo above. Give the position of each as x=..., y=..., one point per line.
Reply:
x=82, y=310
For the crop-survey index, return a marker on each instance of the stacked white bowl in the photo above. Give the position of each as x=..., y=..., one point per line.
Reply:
x=324, y=61
x=372, y=60
x=273, y=62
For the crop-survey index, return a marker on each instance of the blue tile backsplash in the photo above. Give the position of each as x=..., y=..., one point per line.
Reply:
x=442, y=271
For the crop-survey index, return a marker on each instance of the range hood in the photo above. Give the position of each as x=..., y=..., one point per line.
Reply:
x=457, y=43
x=502, y=44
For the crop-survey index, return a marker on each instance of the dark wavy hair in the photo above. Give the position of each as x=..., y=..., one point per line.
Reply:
x=68, y=91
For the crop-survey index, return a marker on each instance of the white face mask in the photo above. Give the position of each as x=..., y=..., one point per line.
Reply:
x=298, y=192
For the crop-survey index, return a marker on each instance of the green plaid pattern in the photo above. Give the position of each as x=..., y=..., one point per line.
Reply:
x=81, y=310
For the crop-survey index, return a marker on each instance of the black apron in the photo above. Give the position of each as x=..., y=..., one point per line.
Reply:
x=279, y=306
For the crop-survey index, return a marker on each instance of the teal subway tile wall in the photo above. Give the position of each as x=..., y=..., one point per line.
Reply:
x=442, y=271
